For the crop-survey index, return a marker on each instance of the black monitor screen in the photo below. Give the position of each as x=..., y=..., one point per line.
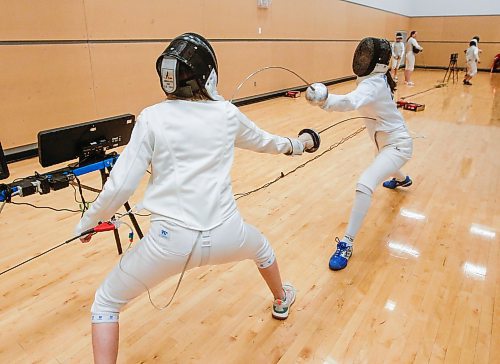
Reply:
x=4, y=170
x=81, y=140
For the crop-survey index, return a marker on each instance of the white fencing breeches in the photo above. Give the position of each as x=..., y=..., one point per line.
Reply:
x=471, y=68
x=163, y=252
x=395, y=149
x=396, y=62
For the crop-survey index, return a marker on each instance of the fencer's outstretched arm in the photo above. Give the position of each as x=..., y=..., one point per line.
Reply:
x=364, y=94
x=250, y=136
x=124, y=177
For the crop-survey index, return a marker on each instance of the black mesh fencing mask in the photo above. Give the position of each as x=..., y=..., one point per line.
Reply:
x=370, y=52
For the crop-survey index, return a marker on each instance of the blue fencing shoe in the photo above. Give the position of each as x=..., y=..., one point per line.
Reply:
x=393, y=183
x=339, y=259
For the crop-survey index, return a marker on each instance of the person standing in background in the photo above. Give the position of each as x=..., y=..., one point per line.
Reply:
x=412, y=47
x=475, y=39
x=472, y=58
x=398, y=49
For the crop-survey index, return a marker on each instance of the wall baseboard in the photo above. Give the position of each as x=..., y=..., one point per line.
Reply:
x=278, y=93
x=445, y=68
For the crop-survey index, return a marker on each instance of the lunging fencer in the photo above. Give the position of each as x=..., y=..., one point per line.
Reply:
x=188, y=140
x=373, y=97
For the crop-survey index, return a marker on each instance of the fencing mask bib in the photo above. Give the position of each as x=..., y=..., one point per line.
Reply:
x=371, y=55
x=188, y=65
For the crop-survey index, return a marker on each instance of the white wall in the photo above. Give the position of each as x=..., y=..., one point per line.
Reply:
x=436, y=7
x=458, y=7
x=395, y=6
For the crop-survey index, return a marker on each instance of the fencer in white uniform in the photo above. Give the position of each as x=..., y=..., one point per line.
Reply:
x=411, y=47
x=188, y=141
x=373, y=97
x=472, y=58
x=475, y=39
x=398, y=48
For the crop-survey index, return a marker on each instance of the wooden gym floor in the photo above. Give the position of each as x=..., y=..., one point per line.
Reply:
x=423, y=284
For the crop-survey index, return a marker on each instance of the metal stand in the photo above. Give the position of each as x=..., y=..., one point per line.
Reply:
x=104, y=178
x=452, y=70
x=98, y=160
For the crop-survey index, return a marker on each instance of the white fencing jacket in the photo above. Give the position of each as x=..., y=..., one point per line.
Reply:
x=190, y=147
x=412, y=42
x=398, y=49
x=472, y=54
x=373, y=99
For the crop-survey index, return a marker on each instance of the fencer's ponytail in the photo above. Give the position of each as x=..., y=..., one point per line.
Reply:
x=390, y=81
x=411, y=35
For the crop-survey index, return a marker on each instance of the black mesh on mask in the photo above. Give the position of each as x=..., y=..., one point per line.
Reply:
x=368, y=53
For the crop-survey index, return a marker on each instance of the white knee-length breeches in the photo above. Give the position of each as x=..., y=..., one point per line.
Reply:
x=471, y=68
x=395, y=149
x=396, y=62
x=163, y=252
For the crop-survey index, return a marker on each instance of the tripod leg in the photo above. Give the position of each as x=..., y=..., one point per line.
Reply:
x=446, y=73
x=450, y=71
x=134, y=220
x=117, y=240
x=104, y=177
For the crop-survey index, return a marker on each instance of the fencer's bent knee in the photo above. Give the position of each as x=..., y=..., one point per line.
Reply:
x=364, y=189
x=104, y=306
x=264, y=256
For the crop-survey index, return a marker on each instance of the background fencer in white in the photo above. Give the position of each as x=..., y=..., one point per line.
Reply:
x=472, y=59
x=373, y=97
x=410, y=56
x=398, y=48
x=188, y=140
x=475, y=39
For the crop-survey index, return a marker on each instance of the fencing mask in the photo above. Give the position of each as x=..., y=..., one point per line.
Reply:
x=187, y=66
x=371, y=54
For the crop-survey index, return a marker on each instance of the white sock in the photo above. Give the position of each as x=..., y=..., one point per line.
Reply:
x=359, y=210
x=348, y=239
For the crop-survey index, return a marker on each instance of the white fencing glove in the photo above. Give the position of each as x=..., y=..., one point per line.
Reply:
x=296, y=147
x=311, y=140
x=308, y=141
x=317, y=94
